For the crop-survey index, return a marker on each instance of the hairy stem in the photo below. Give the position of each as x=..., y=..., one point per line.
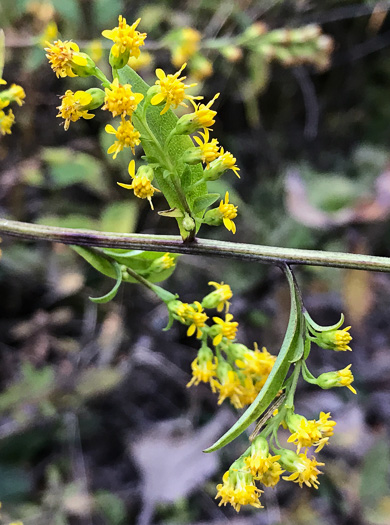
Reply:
x=174, y=244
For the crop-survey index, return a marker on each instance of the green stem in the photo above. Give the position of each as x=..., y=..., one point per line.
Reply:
x=174, y=244
x=293, y=386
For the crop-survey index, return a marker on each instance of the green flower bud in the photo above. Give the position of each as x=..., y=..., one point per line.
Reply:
x=288, y=459
x=293, y=421
x=145, y=171
x=213, y=217
x=117, y=62
x=188, y=223
x=260, y=447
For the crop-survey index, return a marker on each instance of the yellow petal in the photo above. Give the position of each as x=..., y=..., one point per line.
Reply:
x=79, y=60
x=131, y=168
x=127, y=186
x=160, y=74
x=107, y=33
x=110, y=129
x=157, y=99
x=217, y=339
x=191, y=330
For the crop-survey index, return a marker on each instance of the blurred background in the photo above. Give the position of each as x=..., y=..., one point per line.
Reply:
x=96, y=423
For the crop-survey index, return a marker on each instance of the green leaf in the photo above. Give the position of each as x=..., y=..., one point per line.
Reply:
x=161, y=126
x=276, y=378
x=141, y=262
x=101, y=264
x=201, y=203
x=319, y=328
x=110, y=295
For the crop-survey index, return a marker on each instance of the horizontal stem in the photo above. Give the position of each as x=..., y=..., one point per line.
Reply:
x=174, y=244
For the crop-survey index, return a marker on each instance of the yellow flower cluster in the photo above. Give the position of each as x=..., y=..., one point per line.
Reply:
x=127, y=40
x=15, y=93
x=232, y=370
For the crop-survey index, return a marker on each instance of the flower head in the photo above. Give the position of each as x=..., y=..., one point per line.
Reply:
x=120, y=99
x=228, y=212
x=204, y=368
x=171, y=90
x=209, y=150
x=256, y=362
x=305, y=470
x=64, y=57
x=224, y=328
x=219, y=298
x=339, y=378
x=6, y=122
x=74, y=106
x=238, y=489
x=127, y=40
x=126, y=137
x=197, y=319
x=203, y=116
x=271, y=477
x=15, y=94
x=337, y=340
x=226, y=161
x=142, y=182
x=229, y=385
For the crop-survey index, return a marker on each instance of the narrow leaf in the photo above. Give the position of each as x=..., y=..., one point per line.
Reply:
x=276, y=378
x=110, y=295
x=101, y=264
x=319, y=328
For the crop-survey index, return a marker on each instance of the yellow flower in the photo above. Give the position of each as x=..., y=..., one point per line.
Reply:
x=337, y=340
x=306, y=471
x=219, y=298
x=203, y=116
x=126, y=39
x=142, y=184
x=172, y=90
x=307, y=433
x=256, y=362
x=6, y=122
x=204, y=368
x=326, y=427
x=73, y=107
x=238, y=489
x=259, y=460
x=339, y=378
x=120, y=99
x=228, y=212
x=17, y=94
x=63, y=57
x=126, y=137
x=228, y=162
x=227, y=328
x=3, y=103
x=229, y=386
x=188, y=40
x=167, y=261
x=271, y=477
x=197, y=318
x=209, y=150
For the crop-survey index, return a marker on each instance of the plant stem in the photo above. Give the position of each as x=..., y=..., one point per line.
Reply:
x=174, y=244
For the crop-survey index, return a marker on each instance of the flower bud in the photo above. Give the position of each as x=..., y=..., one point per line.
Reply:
x=336, y=340
x=97, y=98
x=117, y=62
x=86, y=70
x=192, y=156
x=288, y=459
x=188, y=223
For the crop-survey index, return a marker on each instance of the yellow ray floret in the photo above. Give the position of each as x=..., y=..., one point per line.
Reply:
x=226, y=328
x=228, y=212
x=126, y=39
x=172, y=90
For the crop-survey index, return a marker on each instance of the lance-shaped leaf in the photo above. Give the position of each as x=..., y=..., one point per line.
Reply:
x=277, y=376
x=100, y=263
x=318, y=328
x=111, y=294
x=161, y=126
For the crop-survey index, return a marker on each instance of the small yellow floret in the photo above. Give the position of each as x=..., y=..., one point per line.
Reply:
x=172, y=90
x=120, y=99
x=228, y=212
x=72, y=107
x=238, y=489
x=345, y=378
x=63, y=56
x=228, y=161
x=203, y=116
x=210, y=150
x=203, y=371
x=227, y=328
x=306, y=471
x=126, y=39
x=197, y=318
x=6, y=122
x=126, y=137
x=141, y=185
x=223, y=293
x=17, y=94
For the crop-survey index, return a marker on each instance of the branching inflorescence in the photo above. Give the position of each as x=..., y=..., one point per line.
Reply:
x=181, y=167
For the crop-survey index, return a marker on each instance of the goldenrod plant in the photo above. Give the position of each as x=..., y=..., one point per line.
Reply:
x=179, y=158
